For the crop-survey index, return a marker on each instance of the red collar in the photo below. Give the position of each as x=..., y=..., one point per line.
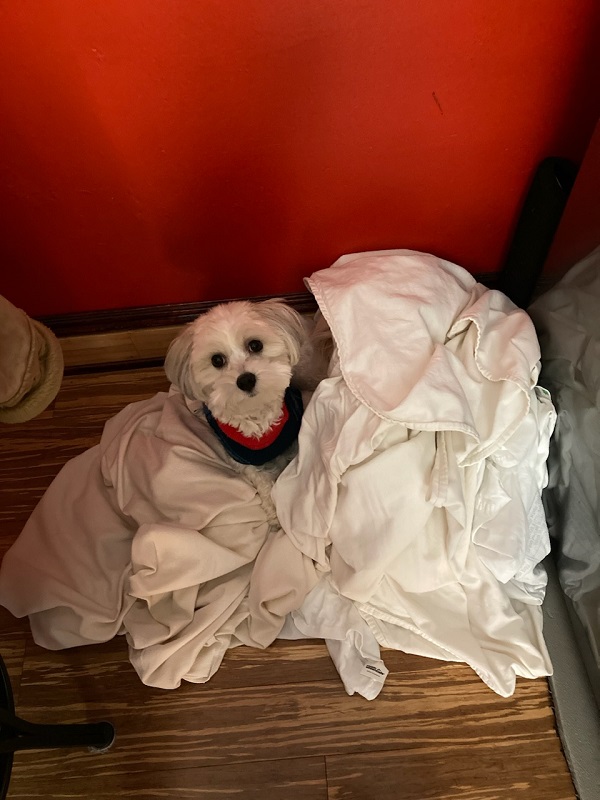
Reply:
x=253, y=442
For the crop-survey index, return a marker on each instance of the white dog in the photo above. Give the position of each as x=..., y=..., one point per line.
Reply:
x=253, y=367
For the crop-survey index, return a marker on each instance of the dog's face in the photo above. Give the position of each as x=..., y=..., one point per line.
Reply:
x=238, y=359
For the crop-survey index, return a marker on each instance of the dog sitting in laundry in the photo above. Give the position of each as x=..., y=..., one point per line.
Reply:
x=253, y=366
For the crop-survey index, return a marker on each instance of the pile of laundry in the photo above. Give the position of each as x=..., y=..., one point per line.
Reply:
x=411, y=517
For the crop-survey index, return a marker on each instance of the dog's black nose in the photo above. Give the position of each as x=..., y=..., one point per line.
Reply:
x=246, y=381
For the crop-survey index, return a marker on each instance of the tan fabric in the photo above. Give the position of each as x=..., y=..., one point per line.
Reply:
x=152, y=534
x=31, y=365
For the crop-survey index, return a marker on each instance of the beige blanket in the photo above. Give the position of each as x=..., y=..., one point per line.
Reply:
x=153, y=535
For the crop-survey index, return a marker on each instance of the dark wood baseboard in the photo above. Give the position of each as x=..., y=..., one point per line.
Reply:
x=94, y=368
x=109, y=320
x=125, y=319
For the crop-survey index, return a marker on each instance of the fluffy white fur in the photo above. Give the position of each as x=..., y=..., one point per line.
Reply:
x=292, y=351
x=227, y=332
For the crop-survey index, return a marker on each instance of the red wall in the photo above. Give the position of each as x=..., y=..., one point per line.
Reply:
x=158, y=151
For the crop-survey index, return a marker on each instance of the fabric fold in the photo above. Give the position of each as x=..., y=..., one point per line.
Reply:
x=421, y=462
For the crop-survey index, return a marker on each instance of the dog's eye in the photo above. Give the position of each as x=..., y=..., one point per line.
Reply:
x=255, y=345
x=218, y=360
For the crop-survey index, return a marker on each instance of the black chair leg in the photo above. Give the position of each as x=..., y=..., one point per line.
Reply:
x=18, y=734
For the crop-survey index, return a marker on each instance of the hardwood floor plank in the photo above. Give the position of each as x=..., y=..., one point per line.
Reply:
x=12, y=649
x=106, y=393
x=13, y=626
x=98, y=348
x=288, y=779
x=474, y=771
x=154, y=342
x=206, y=725
x=97, y=669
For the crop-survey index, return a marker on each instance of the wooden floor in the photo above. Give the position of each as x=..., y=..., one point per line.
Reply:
x=272, y=724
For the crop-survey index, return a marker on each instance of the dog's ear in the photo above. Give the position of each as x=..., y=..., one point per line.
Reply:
x=178, y=362
x=290, y=324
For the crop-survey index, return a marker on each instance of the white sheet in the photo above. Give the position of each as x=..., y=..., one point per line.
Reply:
x=421, y=462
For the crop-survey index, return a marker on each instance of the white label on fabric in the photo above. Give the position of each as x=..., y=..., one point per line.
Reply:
x=376, y=671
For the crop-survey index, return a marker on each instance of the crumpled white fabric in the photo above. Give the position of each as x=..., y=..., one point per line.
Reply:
x=326, y=614
x=421, y=461
x=411, y=516
x=153, y=535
